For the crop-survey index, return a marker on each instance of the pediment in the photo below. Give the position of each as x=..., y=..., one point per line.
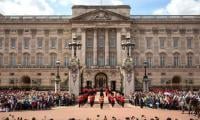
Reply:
x=100, y=15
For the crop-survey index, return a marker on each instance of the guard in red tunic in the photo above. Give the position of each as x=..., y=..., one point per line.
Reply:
x=122, y=100
x=91, y=100
x=112, y=99
x=80, y=100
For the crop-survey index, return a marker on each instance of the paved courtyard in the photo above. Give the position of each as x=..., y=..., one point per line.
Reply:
x=64, y=113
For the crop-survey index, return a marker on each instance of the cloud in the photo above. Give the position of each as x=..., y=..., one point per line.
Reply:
x=180, y=7
x=25, y=7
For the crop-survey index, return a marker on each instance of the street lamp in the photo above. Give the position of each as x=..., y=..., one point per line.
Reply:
x=127, y=45
x=145, y=78
x=74, y=45
x=57, y=80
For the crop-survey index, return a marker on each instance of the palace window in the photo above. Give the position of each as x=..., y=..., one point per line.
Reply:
x=26, y=59
x=149, y=60
x=1, y=43
x=1, y=59
x=175, y=42
x=162, y=60
x=189, y=59
x=12, y=59
x=53, y=42
x=149, y=42
x=26, y=43
x=89, y=38
x=53, y=58
x=89, y=59
x=189, y=42
x=162, y=43
x=89, y=42
x=39, y=59
x=112, y=59
x=39, y=42
x=13, y=43
x=112, y=38
x=101, y=39
x=101, y=59
x=136, y=59
x=176, y=59
x=66, y=61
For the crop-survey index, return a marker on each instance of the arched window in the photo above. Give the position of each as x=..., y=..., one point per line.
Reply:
x=39, y=59
x=176, y=59
x=149, y=58
x=26, y=59
x=12, y=59
x=1, y=59
x=53, y=58
x=189, y=59
x=162, y=59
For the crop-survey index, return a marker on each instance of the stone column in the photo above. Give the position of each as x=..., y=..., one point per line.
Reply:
x=83, y=41
x=119, y=59
x=106, y=48
x=95, y=48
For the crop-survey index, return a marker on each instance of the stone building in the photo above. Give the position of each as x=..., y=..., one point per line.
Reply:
x=31, y=45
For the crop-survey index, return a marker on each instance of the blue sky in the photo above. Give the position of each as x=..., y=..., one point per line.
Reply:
x=63, y=7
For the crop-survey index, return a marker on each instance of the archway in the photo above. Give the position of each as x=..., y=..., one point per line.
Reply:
x=101, y=81
x=176, y=82
x=26, y=80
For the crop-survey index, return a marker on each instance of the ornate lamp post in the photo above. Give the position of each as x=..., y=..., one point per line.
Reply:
x=57, y=80
x=127, y=46
x=74, y=46
x=145, y=78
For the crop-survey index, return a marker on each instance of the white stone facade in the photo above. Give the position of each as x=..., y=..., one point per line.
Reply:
x=30, y=45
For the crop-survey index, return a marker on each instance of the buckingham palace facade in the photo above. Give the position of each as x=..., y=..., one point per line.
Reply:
x=31, y=45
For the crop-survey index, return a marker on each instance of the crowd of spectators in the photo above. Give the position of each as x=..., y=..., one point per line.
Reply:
x=12, y=100
x=176, y=100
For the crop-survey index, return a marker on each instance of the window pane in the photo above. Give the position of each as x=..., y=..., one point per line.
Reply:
x=148, y=42
x=53, y=42
x=1, y=43
x=162, y=43
x=26, y=43
x=175, y=42
x=1, y=60
x=189, y=43
x=39, y=42
x=13, y=43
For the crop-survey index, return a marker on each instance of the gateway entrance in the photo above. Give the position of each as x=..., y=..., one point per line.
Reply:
x=101, y=81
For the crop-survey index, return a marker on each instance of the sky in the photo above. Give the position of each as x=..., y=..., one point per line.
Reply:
x=63, y=7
